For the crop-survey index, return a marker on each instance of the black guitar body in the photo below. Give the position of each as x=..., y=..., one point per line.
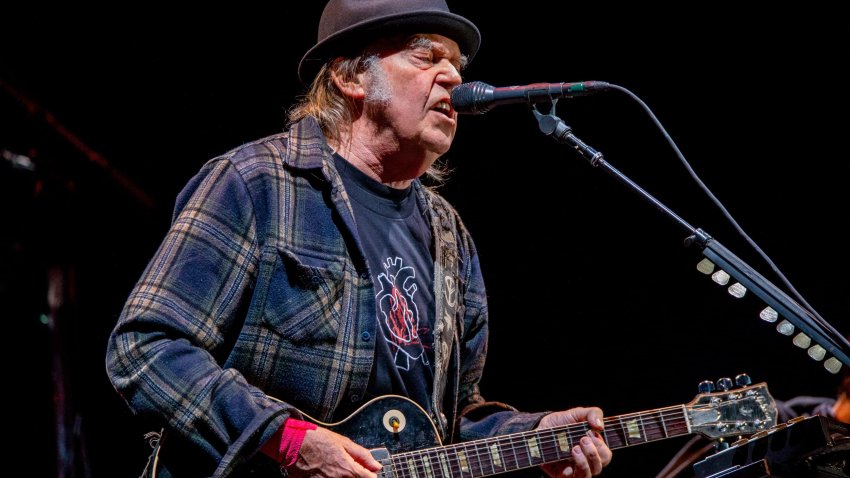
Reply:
x=372, y=426
x=387, y=425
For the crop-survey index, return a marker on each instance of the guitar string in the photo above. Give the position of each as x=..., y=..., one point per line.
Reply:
x=671, y=418
x=547, y=446
x=520, y=453
x=550, y=445
x=514, y=456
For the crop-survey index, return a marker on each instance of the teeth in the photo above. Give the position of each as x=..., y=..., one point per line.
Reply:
x=443, y=105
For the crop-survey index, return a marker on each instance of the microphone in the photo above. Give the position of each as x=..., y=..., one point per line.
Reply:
x=476, y=98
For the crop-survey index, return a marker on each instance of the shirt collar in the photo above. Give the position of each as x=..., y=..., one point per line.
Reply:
x=308, y=147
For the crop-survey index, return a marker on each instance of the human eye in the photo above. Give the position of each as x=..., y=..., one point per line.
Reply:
x=424, y=55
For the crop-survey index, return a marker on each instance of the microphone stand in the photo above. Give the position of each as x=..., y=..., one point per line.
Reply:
x=715, y=252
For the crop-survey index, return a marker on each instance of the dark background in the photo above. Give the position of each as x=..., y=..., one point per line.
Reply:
x=594, y=299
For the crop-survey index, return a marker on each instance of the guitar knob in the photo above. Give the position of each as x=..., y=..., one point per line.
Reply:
x=706, y=386
x=724, y=383
x=742, y=380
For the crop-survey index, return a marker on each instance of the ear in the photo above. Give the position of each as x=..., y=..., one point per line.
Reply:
x=351, y=87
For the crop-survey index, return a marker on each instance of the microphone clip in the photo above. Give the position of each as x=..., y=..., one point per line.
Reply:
x=551, y=125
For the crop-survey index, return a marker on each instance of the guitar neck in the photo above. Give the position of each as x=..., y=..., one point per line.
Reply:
x=506, y=453
x=644, y=427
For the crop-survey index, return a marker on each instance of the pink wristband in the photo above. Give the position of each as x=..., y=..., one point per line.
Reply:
x=285, y=444
x=291, y=439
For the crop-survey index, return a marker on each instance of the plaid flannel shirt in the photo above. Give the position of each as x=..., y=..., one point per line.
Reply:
x=260, y=290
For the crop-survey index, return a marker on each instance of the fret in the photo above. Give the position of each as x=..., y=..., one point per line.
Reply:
x=533, y=448
x=633, y=431
x=398, y=465
x=564, y=442
x=508, y=449
x=478, y=459
x=548, y=445
x=625, y=433
x=454, y=461
x=495, y=456
x=428, y=470
x=463, y=461
x=656, y=430
x=663, y=425
x=551, y=448
x=677, y=423
x=524, y=454
x=520, y=454
x=439, y=470
x=426, y=466
x=509, y=457
x=444, y=465
x=642, y=427
x=614, y=434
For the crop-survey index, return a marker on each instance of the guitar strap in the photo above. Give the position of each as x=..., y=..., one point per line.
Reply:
x=154, y=440
x=446, y=297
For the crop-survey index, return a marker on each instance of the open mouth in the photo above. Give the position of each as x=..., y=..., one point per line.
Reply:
x=443, y=107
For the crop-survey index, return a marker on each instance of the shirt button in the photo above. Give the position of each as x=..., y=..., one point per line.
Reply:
x=366, y=336
x=316, y=279
x=354, y=397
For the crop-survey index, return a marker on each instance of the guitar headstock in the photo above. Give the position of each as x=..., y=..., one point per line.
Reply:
x=725, y=413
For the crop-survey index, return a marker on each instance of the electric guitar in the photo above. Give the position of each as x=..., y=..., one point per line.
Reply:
x=402, y=437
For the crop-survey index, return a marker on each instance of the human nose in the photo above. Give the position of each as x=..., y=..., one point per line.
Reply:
x=449, y=74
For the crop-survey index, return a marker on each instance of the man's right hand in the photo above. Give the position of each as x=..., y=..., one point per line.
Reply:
x=327, y=454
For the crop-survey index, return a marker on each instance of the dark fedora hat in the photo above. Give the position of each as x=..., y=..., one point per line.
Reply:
x=347, y=25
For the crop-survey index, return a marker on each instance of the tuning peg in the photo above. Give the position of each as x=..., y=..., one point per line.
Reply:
x=817, y=352
x=737, y=290
x=724, y=383
x=721, y=277
x=832, y=364
x=768, y=314
x=802, y=340
x=742, y=380
x=705, y=266
x=785, y=328
x=706, y=386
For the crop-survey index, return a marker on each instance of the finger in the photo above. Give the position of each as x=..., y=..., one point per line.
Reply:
x=362, y=456
x=594, y=461
x=602, y=448
x=362, y=472
x=594, y=417
x=581, y=468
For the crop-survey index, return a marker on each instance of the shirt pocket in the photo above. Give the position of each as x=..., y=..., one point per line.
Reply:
x=304, y=299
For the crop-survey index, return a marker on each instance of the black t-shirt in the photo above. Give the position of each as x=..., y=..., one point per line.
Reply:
x=397, y=241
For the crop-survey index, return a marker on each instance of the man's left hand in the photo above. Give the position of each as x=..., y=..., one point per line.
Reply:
x=590, y=455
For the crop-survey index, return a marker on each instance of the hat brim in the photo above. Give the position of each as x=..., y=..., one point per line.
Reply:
x=357, y=36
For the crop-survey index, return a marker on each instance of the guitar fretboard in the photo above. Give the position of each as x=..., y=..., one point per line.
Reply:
x=506, y=453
